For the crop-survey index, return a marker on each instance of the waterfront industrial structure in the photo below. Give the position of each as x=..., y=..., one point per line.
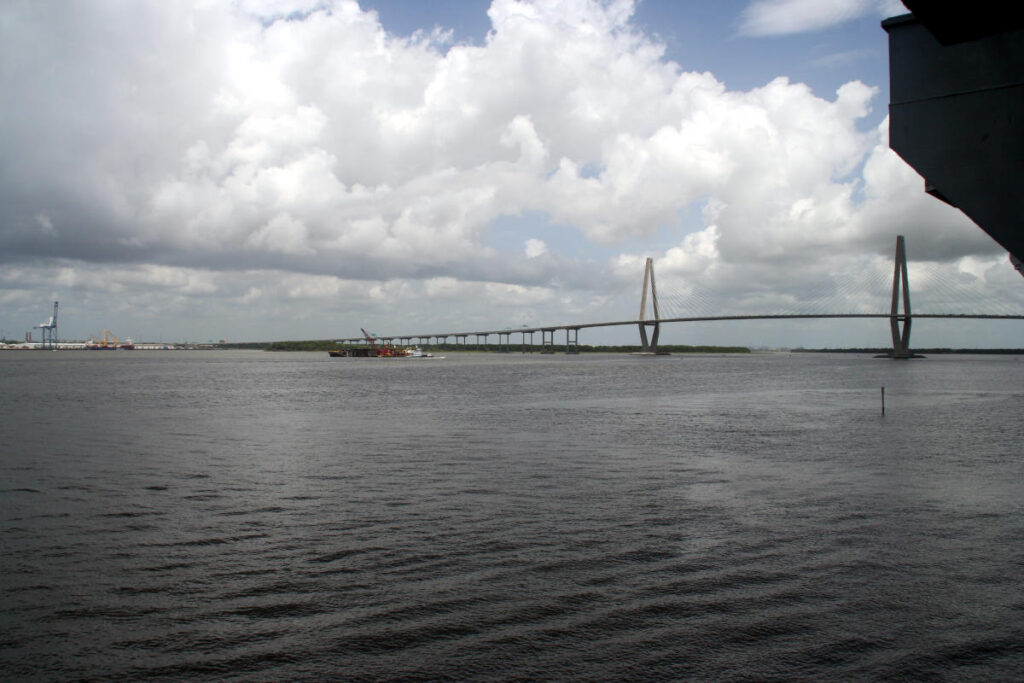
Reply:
x=49, y=330
x=51, y=340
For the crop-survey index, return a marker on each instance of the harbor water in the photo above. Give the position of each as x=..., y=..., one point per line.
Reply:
x=240, y=515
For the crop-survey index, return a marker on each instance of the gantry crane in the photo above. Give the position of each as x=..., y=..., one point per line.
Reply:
x=49, y=329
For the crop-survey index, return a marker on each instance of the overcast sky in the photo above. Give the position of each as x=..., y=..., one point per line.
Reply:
x=298, y=169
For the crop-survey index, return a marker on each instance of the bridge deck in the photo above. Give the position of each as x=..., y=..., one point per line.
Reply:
x=708, y=318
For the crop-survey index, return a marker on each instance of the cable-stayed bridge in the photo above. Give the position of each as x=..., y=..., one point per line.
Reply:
x=692, y=305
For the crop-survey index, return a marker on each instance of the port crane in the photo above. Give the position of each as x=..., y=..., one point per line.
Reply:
x=49, y=329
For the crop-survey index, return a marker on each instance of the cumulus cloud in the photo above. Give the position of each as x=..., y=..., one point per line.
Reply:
x=274, y=151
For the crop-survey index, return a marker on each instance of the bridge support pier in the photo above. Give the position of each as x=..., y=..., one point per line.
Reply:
x=899, y=323
x=649, y=346
x=572, y=335
x=547, y=341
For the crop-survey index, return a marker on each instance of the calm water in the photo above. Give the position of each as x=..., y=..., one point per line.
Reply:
x=254, y=516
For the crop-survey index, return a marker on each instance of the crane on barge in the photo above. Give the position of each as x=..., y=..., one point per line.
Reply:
x=386, y=351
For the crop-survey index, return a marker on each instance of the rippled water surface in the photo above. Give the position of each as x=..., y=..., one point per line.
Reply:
x=255, y=516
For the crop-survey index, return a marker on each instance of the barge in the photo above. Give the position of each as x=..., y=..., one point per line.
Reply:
x=379, y=352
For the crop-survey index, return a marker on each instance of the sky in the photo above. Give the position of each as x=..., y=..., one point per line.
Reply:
x=258, y=170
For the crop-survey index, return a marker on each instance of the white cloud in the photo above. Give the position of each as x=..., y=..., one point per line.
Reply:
x=535, y=248
x=780, y=17
x=46, y=225
x=282, y=233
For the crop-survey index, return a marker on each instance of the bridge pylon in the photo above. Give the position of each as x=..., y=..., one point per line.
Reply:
x=899, y=323
x=649, y=346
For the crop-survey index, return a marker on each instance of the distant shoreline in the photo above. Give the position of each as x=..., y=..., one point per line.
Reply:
x=514, y=347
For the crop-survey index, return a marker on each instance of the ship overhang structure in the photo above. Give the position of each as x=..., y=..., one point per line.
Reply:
x=956, y=112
